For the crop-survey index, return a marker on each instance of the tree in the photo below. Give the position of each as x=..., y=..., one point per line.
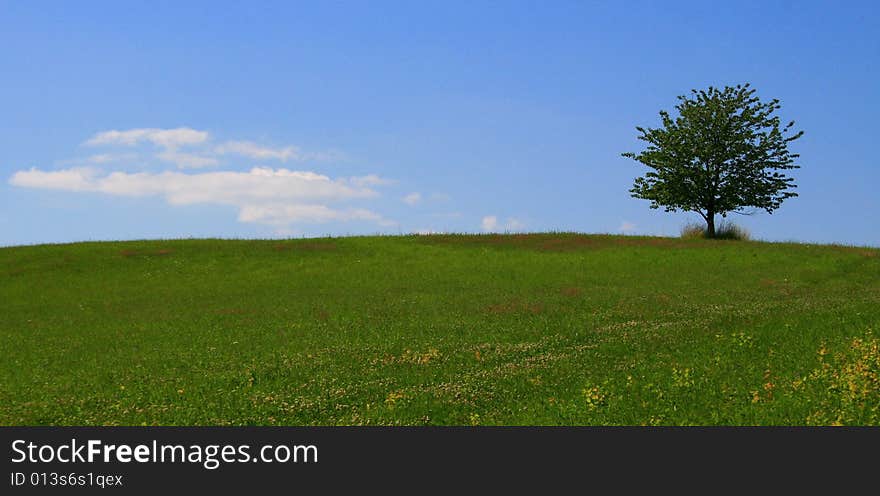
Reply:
x=723, y=153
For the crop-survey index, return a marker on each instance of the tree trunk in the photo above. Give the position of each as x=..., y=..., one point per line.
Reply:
x=710, y=225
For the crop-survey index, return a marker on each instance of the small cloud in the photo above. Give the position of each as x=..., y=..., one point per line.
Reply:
x=105, y=158
x=259, y=152
x=369, y=180
x=186, y=160
x=200, y=151
x=165, y=138
x=285, y=214
x=490, y=224
x=514, y=224
x=428, y=232
x=412, y=198
x=99, y=159
x=627, y=227
x=78, y=179
x=168, y=140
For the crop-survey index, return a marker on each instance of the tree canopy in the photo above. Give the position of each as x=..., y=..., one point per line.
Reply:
x=724, y=152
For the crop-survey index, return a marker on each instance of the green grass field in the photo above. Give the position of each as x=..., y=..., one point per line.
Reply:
x=491, y=329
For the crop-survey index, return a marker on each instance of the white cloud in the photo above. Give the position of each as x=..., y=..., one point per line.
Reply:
x=276, y=197
x=283, y=214
x=165, y=138
x=369, y=180
x=257, y=151
x=627, y=227
x=514, y=225
x=412, y=198
x=253, y=150
x=264, y=195
x=490, y=224
x=200, y=152
x=186, y=160
x=75, y=179
x=98, y=159
x=168, y=140
x=105, y=158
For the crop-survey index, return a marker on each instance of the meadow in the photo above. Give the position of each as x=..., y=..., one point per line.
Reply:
x=539, y=329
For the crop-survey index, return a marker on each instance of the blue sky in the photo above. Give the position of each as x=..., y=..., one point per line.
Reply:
x=123, y=120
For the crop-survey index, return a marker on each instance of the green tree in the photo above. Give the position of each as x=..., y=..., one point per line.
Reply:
x=723, y=153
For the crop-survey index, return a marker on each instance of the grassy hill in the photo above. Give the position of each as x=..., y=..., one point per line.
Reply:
x=491, y=329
